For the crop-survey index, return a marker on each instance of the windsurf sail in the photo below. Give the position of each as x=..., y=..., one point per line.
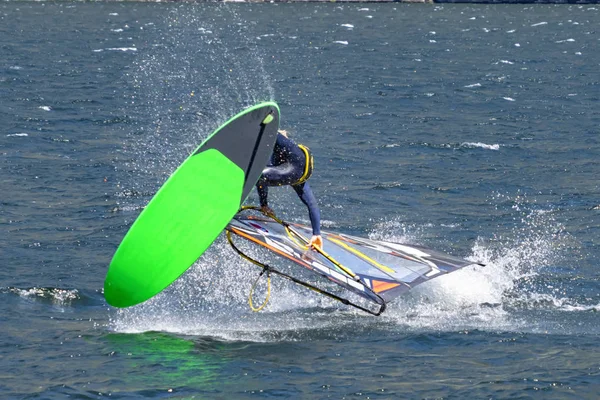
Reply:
x=192, y=207
x=378, y=271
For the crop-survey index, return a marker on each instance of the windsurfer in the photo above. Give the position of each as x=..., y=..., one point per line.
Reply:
x=291, y=164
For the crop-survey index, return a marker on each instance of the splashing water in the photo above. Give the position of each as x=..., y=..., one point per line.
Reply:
x=198, y=75
x=495, y=296
x=55, y=295
x=211, y=299
x=194, y=74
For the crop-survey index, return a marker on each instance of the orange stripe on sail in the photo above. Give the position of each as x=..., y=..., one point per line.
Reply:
x=380, y=286
x=274, y=249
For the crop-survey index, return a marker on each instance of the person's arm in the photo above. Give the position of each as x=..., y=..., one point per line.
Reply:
x=308, y=198
x=263, y=193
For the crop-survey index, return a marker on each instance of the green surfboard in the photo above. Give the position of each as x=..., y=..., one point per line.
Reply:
x=192, y=207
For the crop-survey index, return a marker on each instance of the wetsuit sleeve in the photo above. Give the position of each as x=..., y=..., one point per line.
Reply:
x=308, y=198
x=263, y=192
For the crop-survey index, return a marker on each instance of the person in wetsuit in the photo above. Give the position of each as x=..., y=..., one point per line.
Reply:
x=291, y=164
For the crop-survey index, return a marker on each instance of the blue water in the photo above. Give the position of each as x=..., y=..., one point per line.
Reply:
x=472, y=129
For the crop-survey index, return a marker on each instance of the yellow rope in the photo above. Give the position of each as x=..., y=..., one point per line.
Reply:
x=293, y=233
x=321, y=251
x=294, y=238
x=255, y=309
x=268, y=270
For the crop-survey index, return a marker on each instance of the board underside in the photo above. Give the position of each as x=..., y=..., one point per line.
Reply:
x=193, y=207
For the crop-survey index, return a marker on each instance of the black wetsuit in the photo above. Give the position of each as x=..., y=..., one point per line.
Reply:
x=286, y=167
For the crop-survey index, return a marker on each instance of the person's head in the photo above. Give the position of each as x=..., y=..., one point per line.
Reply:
x=283, y=132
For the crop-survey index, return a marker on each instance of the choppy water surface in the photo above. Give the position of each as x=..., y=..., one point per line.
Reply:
x=470, y=129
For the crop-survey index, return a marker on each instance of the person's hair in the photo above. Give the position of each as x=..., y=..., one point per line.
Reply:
x=283, y=132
